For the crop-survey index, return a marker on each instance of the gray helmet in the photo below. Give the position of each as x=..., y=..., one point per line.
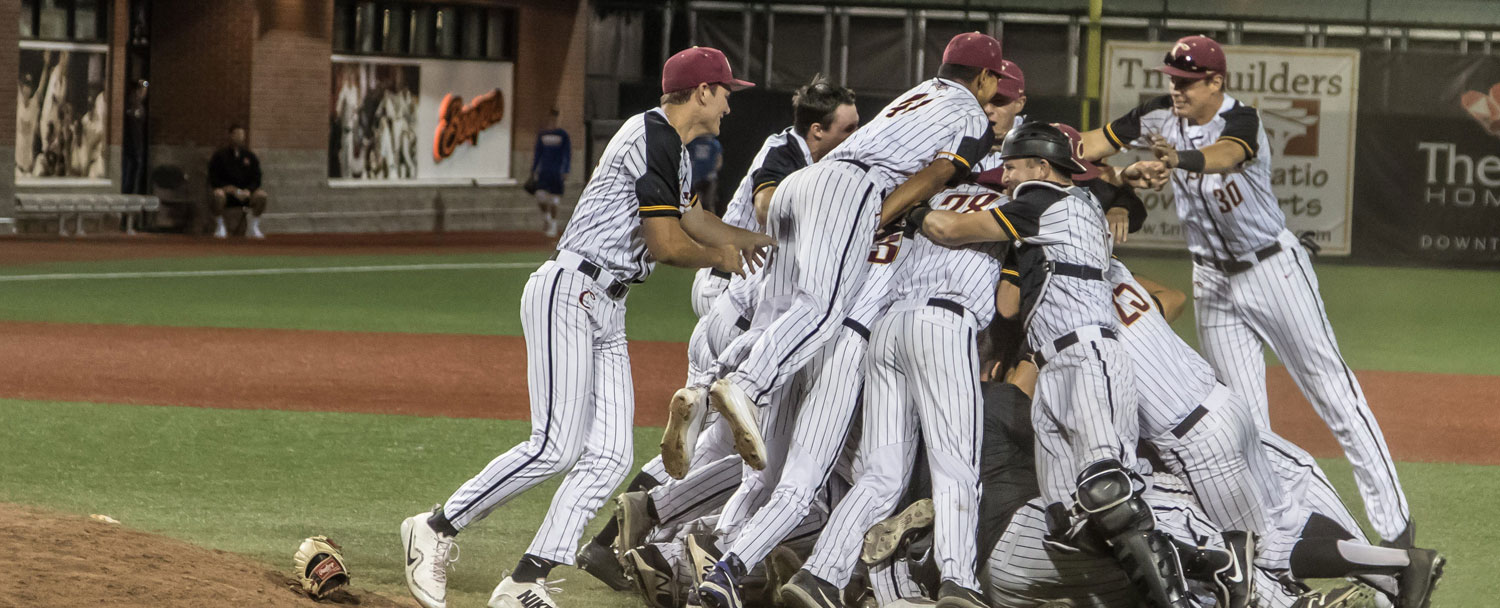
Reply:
x=1044, y=141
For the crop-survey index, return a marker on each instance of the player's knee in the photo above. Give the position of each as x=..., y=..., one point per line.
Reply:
x=1107, y=494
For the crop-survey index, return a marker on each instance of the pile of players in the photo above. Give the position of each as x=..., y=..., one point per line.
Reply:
x=984, y=362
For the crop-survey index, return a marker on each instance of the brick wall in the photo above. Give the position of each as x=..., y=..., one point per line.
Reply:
x=550, y=61
x=289, y=75
x=200, y=62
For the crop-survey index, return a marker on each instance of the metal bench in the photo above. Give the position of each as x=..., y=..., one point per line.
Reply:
x=30, y=204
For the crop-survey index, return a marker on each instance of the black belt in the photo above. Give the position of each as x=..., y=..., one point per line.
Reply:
x=616, y=289
x=948, y=305
x=1064, y=342
x=862, y=166
x=1237, y=266
x=864, y=332
x=1189, y=422
x=743, y=323
x=1077, y=271
x=715, y=272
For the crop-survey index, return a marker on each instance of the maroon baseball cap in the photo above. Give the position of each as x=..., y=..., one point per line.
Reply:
x=974, y=50
x=699, y=65
x=1195, y=57
x=1090, y=170
x=1012, y=82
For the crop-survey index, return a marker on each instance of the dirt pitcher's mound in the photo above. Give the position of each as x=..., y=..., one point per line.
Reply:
x=68, y=561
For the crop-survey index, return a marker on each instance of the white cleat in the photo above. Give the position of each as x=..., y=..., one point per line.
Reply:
x=255, y=232
x=428, y=553
x=684, y=423
x=741, y=414
x=513, y=594
x=221, y=232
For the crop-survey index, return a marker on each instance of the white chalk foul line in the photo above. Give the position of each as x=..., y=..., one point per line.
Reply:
x=240, y=272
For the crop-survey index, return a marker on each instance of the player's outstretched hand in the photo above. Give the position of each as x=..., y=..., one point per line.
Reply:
x=1119, y=223
x=730, y=259
x=1164, y=151
x=756, y=249
x=1151, y=174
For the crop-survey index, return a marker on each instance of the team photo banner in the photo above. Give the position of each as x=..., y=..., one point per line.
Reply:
x=1307, y=100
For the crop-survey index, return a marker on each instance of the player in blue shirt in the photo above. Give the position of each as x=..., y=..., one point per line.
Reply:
x=552, y=160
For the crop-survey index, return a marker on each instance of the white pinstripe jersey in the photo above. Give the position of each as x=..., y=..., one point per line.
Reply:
x=780, y=155
x=966, y=275
x=1227, y=215
x=1171, y=378
x=643, y=173
x=1068, y=225
x=876, y=294
x=938, y=118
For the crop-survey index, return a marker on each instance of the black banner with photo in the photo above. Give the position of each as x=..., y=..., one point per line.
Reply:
x=1427, y=187
x=62, y=113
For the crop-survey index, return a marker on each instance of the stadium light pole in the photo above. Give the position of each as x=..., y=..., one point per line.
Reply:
x=1091, y=63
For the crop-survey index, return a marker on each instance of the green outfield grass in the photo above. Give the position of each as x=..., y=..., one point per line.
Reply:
x=1396, y=319
x=241, y=481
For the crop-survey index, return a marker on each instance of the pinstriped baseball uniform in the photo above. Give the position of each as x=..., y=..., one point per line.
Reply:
x=578, y=368
x=1253, y=283
x=835, y=381
x=922, y=373
x=1085, y=408
x=780, y=155
x=1204, y=433
x=824, y=217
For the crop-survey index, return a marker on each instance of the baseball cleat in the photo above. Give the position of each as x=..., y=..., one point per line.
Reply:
x=720, y=589
x=1416, y=582
x=882, y=538
x=741, y=414
x=427, y=557
x=515, y=594
x=600, y=561
x=951, y=595
x=1236, y=581
x=633, y=513
x=805, y=590
x=703, y=553
x=653, y=576
x=1344, y=596
x=781, y=565
x=684, y=422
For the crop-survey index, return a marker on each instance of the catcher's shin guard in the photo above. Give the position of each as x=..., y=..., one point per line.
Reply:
x=1151, y=561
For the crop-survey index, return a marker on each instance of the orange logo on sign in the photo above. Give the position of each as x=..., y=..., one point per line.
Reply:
x=458, y=123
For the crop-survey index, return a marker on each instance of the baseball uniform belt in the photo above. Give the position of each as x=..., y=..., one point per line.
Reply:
x=719, y=274
x=946, y=304
x=1220, y=396
x=864, y=332
x=1077, y=271
x=1237, y=266
x=612, y=287
x=743, y=323
x=1090, y=333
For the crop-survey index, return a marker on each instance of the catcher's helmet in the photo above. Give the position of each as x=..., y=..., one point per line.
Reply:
x=1044, y=141
x=1195, y=57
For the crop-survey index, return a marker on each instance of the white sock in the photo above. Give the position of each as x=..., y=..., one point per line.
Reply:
x=255, y=222
x=220, y=219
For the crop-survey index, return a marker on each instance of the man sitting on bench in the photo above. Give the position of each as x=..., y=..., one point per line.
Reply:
x=234, y=176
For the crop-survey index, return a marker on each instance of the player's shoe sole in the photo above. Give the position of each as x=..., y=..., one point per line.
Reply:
x=703, y=554
x=882, y=538
x=732, y=403
x=634, y=519
x=652, y=575
x=684, y=422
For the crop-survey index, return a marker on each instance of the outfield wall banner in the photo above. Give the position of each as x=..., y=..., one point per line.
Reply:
x=62, y=112
x=419, y=121
x=1429, y=159
x=1307, y=100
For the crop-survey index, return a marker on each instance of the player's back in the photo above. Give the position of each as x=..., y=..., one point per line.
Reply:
x=1170, y=377
x=933, y=119
x=966, y=275
x=1063, y=233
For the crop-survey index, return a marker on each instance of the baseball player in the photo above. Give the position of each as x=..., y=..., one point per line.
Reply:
x=550, y=161
x=1086, y=417
x=943, y=297
x=1252, y=283
x=631, y=215
x=825, y=216
x=823, y=117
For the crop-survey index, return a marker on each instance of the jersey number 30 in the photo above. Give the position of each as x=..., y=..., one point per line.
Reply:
x=1229, y=196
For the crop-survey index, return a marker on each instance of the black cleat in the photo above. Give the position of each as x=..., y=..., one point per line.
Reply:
x=600, y=561
x=950, y=595
x=653, y=576
x=1417, y=580
x=808, y=591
